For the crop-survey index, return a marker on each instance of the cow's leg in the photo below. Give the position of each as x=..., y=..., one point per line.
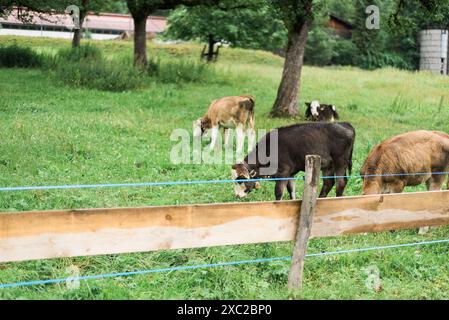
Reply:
x=279, y=189
x=251, y=133
x=423, y=230
x=291, y=187
x=240, y=139
x=435, y=183
x=341, y=179
x=328, y=182
x=227, y=136
x=397, y=187
x=393, y=187
x=214, y=136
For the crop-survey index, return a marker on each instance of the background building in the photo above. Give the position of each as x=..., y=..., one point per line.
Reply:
x=433, y=51
x=101, y=26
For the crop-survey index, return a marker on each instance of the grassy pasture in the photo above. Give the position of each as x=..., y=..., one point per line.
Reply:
x=52, y=134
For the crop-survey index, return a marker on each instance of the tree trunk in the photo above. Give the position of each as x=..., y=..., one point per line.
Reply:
x=286, y=104
x=210, y=53
x=78, y=33
x=140, y=40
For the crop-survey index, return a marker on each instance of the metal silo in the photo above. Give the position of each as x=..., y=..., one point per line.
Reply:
x=434, y=51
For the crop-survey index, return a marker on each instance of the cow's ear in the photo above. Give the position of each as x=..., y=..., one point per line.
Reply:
x=336, y=116
x=308, y=104
x=334, y=108
x=234, y=167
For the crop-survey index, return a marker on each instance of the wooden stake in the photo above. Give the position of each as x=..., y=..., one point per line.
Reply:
x=311, y=182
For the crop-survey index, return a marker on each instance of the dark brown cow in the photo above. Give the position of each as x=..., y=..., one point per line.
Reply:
x=333, y=142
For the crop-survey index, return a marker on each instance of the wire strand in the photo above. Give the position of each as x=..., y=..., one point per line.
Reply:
x=174, y=183
x=211, y=265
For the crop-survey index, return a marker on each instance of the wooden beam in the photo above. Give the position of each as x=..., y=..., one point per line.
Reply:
x=68, y=233
x=305, y=218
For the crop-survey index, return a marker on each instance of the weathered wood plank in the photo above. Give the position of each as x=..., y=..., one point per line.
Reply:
x=305, y=221
x=68, y=233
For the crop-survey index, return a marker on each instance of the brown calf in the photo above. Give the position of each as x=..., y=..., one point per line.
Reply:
x=401, y=157
x=228, y=112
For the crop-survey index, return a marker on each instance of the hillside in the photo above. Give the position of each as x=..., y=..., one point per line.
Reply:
x=52, y=134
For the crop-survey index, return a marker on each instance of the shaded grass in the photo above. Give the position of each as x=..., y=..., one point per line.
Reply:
x=14, y=56
x=54, y=134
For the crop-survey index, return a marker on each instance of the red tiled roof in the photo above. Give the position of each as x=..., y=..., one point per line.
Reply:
x=104, y=21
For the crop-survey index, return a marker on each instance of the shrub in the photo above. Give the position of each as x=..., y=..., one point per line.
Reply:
x=344, y=53
x=101, y=75
x=83, y=52
x=320, y=45
x=178, y=71
x=19, y=57
x=376, y=60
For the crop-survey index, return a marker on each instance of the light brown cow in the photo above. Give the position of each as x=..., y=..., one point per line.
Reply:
x=228, y=112
x=401, y=157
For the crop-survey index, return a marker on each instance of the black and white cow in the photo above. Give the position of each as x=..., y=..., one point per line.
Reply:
x=321, y=112
x=285, y=157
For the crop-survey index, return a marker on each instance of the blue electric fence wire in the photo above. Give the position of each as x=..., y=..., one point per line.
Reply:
x=142, y=184
x=211, y=265
x=174, y=183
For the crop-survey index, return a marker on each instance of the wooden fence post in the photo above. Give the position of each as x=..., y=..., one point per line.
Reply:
x=311, y=183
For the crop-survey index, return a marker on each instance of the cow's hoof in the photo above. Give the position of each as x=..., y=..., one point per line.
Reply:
x=423, y=230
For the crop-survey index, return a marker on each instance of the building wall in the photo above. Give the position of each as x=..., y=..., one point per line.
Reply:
x=53, y=34
x=434, y=51
x=340, y=28
x=101, y=26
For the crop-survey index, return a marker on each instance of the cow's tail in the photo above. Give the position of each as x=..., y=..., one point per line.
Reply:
x=446, y=149
x=350, y=160
x=249, y=104
x=350, y=154
x=252, y=119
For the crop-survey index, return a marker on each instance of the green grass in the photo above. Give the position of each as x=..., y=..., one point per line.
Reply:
x=53, y=134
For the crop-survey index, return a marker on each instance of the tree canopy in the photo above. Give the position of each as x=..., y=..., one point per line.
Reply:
x=246, y=28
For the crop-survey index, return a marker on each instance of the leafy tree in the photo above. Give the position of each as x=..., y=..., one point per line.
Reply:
x=246, y=28
x=114, y=6
x=297, y=16
x=374, y=48
x=28, y=9
x=395, y=43
x=141, y=9
x=341, y=8
x=407, y=21
x=86, y=6
x=369, y=42
x=320, y=46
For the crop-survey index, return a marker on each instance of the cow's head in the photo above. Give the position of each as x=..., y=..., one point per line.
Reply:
x=241, y=174
x=371, y=183
x=321, y=112
x=198, y=128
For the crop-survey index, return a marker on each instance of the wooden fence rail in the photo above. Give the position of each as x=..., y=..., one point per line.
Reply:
x=69, y=233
